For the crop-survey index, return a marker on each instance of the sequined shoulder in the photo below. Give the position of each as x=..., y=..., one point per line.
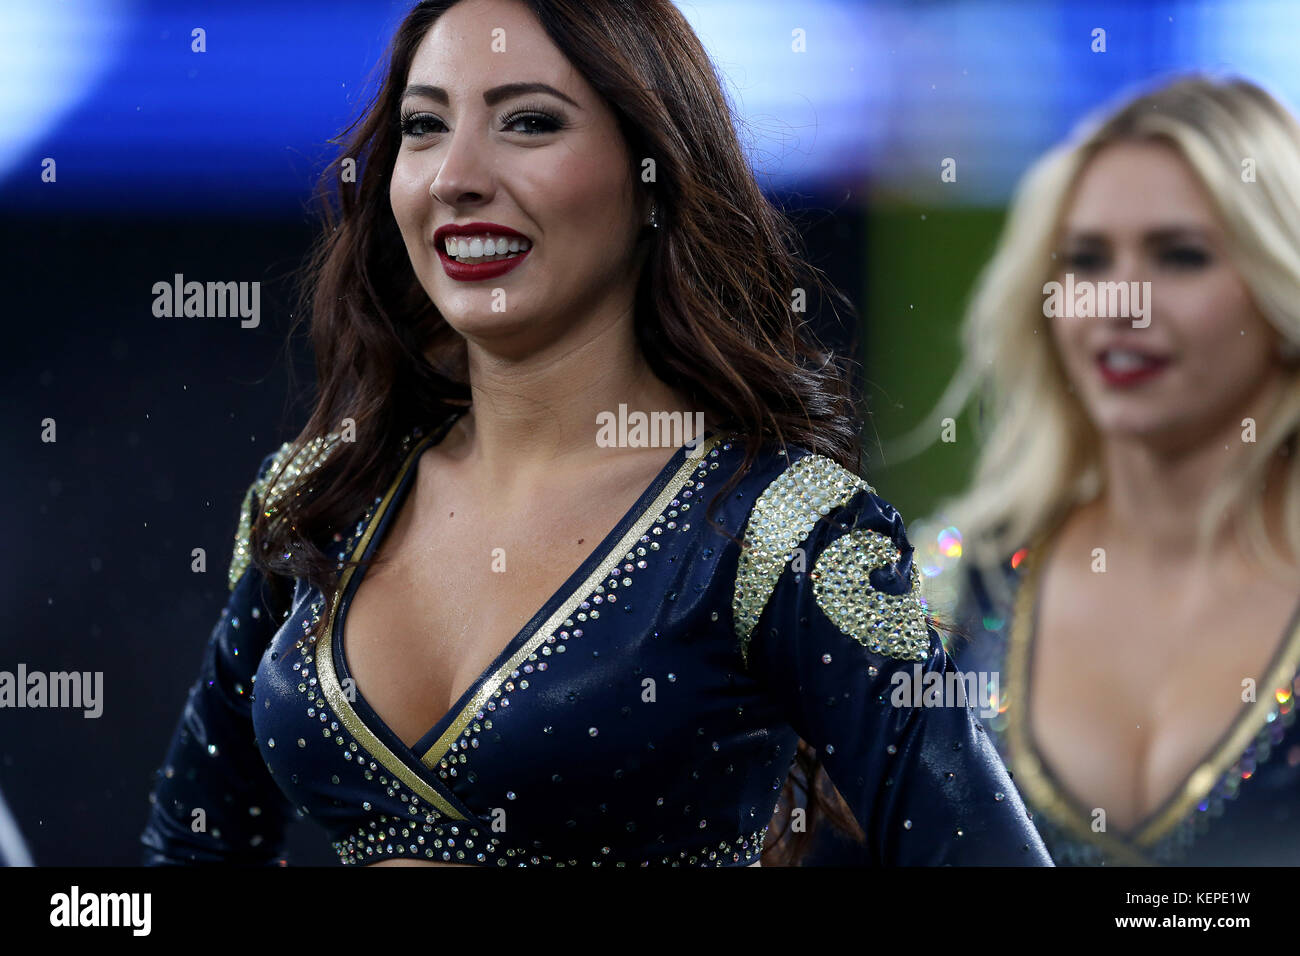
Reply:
x=279, y=473
x=892, y=624
x=782, y=517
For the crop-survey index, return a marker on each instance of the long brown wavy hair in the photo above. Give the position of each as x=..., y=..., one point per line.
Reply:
x=714, y=314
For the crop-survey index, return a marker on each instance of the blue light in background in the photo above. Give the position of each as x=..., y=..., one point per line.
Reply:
x=245, y=125
x=994, y=84
x=802, y=117
x=51, y=58
x=242, y=126
x=139, y=124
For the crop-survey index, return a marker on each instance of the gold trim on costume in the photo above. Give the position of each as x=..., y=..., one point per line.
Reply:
x=1244, y=728
x=1030, y=776
x=1037, y=783
x=486, y=689
x=328, y=677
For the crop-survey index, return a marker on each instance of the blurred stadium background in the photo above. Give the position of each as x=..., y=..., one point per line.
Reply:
x=170, y=161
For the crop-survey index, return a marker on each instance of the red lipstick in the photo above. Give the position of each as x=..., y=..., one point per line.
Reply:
x=477, y=271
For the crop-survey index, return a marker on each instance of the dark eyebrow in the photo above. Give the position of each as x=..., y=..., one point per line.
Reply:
x=491, y=97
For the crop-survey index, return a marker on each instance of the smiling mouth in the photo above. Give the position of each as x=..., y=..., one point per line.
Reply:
x=473, y=250
x=1126, y=361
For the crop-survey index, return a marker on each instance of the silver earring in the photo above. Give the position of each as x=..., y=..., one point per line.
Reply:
x=654, y=215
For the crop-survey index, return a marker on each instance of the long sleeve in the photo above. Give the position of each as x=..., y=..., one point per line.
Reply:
x=214, y=800
x=841, y=640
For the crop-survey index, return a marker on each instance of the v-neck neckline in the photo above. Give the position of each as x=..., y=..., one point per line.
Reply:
x=434, y=743
x=1044, y=787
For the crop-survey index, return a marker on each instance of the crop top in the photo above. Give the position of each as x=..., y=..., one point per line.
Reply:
x=647, y=714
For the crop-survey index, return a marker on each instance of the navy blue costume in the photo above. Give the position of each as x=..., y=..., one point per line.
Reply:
x=1239, y=807
x=647, y=715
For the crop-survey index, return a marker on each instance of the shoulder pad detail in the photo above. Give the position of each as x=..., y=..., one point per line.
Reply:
x=269, y=492
x=782, y=517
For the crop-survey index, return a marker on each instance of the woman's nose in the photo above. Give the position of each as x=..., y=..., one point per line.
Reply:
x=465, y=175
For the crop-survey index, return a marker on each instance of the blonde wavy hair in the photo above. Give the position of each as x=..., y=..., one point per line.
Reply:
x=1039, y=452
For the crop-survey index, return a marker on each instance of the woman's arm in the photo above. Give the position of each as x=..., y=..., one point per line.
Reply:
x=214, y=800
x=843, y=643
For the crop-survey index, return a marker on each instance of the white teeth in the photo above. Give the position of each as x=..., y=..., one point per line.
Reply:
x=484, y=248
x=1122, y=360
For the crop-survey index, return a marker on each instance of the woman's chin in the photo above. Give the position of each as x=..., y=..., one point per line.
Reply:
x=1147, y=426
x=484, y=325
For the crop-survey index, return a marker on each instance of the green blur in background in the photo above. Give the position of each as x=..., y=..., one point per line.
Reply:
x=922, y=263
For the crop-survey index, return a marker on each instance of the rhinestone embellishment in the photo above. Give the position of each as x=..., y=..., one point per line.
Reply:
x=784, y=514
x=269, y=492
x=890, y=624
